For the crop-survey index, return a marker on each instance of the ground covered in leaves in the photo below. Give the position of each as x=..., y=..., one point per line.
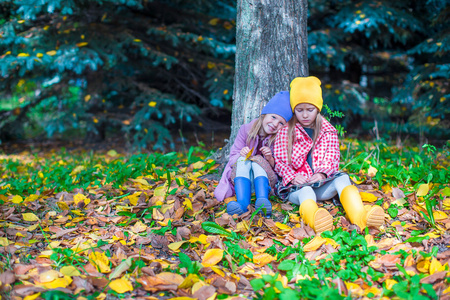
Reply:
x=108, y=225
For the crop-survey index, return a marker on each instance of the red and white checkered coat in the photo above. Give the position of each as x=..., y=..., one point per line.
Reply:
x=325, y=156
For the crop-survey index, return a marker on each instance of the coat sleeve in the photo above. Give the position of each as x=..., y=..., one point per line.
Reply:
x=239, y=143
x=225, y=187
x=329, y=164
x=280, y=153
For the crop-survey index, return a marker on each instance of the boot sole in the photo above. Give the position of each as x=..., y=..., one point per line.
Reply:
x=323, y=221
x=234, y=208
x=375, y=217
x=265, y=203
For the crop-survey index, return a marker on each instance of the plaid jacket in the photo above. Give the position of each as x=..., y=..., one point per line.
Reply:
x=325, y=157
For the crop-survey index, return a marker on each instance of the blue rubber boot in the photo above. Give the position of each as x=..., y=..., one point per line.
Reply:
x=243, y=189
x=262, y=189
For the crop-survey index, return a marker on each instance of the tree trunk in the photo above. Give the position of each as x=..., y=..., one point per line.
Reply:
x=271, y=50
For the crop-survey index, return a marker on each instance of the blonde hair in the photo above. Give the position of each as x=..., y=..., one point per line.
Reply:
x=254, y=131
x=292, y=137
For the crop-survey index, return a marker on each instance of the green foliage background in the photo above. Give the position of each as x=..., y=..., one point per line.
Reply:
x=140, y=68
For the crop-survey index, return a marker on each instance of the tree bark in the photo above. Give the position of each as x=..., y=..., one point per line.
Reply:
x=271, y=50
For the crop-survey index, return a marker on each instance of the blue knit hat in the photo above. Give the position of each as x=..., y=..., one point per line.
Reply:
x=280, y=105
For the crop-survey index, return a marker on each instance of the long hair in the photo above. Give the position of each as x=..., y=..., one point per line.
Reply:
x=254, y=131
x=292, y=137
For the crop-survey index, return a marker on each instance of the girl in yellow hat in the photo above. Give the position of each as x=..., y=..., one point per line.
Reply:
x=307, y=157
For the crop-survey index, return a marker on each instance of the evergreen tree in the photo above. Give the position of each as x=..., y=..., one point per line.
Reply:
x=136, y=66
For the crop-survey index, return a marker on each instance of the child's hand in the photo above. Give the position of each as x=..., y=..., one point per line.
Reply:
x=266, y=152
x=244, y=151
x=316, y=177
x=299, y=179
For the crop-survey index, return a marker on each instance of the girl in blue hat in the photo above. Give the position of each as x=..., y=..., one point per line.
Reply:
x=241, y=173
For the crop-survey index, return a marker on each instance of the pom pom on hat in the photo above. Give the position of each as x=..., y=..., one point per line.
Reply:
x=306, y=90
x=279, y=105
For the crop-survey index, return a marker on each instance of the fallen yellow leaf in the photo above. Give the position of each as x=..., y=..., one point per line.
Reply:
x=212, y=257
x=283, y=227
x=189, y=281
x=48, y=276
x=368, y=197
x=372, y=171
x=121, y=285
x=390, y=283
x=422, y=190
x=314, y=244
x=70, y=271
x=172, y=278
x=424, y=265
x=32, y=297
x=58, y=283
x=17, y=199
x=436, y=266
x=439, y=215
x=176, y=245
x=263, y=259
x=100, y=261
x=30, y=217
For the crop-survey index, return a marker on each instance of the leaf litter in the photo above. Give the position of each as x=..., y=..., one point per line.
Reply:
x=147, y=226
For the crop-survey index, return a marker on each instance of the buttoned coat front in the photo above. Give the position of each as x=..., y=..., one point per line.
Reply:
x=325, y=155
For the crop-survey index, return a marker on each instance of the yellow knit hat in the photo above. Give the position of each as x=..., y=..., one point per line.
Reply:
x=306, y=90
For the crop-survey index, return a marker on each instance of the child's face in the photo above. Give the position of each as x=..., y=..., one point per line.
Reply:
x=306, y=114
x=272, y=123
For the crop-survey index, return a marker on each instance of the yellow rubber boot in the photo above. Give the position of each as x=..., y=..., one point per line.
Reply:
x=369, y=216
x=317, y=218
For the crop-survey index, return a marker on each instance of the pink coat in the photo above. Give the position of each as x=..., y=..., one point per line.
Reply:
x=225, y=188
x=325, y=156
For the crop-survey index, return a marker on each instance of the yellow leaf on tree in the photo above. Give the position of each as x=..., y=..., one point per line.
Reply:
x=82, y=44
x=100, y=261
x=23, y=55
x=423, y=190
x=372, y=171
x=70, y=271
x=30, y=217
x=51, y=53
x=152, y=103
x=121, y=285
x=314, y=244
x=368, y=197
x=214, y=21
x=263, y=259
x=212, y=257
